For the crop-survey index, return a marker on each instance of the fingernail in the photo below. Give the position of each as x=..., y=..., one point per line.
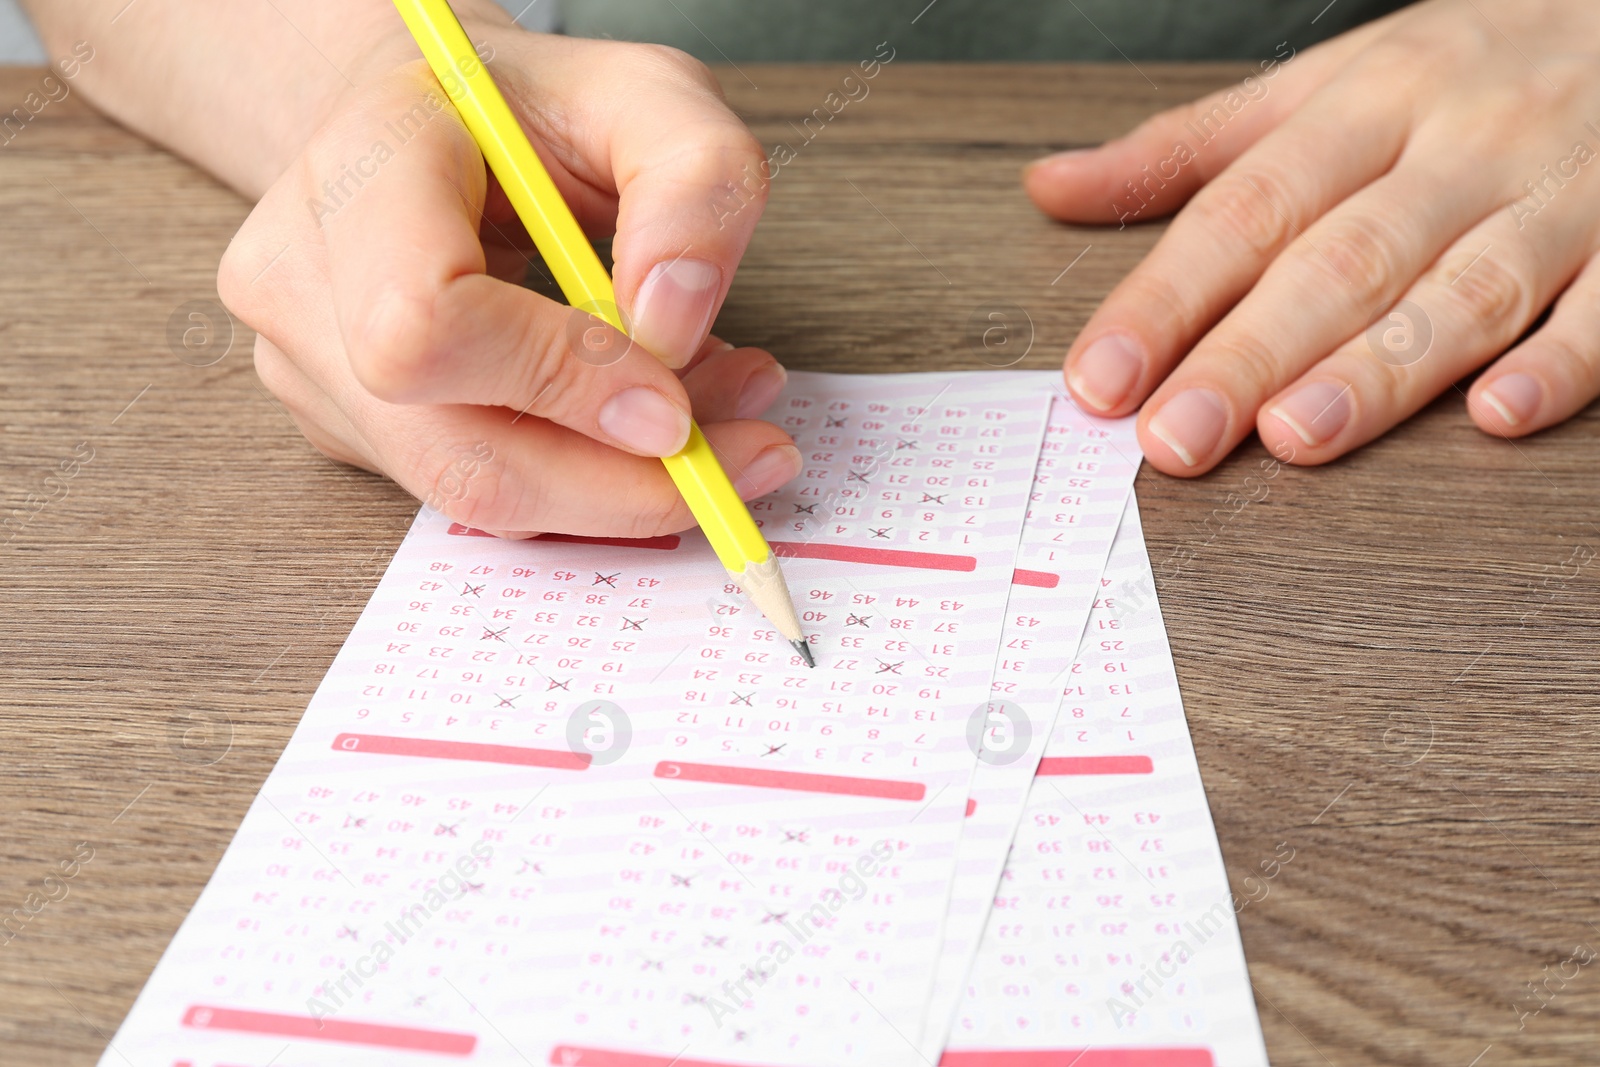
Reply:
x=1106, y=372
x=1317, y=411
x=1191, y=424
x=771, y=468
x=643, y=420
x=1516, y=397
x=760, y=391
x=672, y=312
x=1056, y=157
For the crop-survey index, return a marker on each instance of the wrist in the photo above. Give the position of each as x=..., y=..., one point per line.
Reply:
x=242, y=87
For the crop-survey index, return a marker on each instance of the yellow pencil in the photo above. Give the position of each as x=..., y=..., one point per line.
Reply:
x=726, y=521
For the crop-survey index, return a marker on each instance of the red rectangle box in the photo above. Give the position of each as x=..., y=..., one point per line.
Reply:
x=1042, y=579
x=666, y=542
x=571, y=1056
x=1079, y=1057
x=307, y=1028
x=884, y=557
x=1060, y=766
x=471, y=752
x=798, y=781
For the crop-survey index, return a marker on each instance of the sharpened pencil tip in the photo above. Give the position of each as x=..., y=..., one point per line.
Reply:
x=804, y=650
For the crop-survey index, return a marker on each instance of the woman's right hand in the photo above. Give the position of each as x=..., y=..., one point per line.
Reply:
x=380, y=274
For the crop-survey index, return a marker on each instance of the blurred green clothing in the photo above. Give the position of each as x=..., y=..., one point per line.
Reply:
x=792, y=30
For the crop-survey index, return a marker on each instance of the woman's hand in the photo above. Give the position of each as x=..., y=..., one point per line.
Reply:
x=1366, y=224
x=380, y=271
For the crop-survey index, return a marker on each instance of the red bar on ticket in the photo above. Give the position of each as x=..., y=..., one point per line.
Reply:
x=573, y=1056
x=797, y=781
x=883, y=557
x=469, y=751
x=1062, y=766
x=1080, y=1057
x=308, y=1028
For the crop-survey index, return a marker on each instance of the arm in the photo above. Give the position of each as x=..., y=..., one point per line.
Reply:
x=379, y=267
x=236, y=87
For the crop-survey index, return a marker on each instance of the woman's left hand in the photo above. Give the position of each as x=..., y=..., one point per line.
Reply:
x=1365, y=224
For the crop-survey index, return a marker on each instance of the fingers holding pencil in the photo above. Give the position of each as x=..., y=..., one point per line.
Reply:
x=394, y=350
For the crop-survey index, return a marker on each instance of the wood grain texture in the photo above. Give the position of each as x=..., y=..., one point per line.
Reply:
x=1387, y=663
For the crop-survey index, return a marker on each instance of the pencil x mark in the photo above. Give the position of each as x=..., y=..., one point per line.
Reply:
x=890, y=668
x=832, y=423
x=930, y=498
x=805, y=509
x=880, y=531
x=606, y=579
x=742, y=698
x=632, y=624
x=494, y=635
x=773, y=750
x=555, y=684
x=858, y=620
x=507, y=702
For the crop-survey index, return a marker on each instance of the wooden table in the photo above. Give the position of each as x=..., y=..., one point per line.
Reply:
x=1389, y=663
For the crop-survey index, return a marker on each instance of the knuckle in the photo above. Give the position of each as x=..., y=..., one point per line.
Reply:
x=331, y=447
x=657, y=513
x=1407, y=60
x=545, y=374
x=273, y=368
x=1246, y=358
x=1250, y=207
x=741, y=149
x=277, y=373
x=247, y=282
x=1495, y=296
x=391, y=346
x=1146, y=288
x=717, y=151
x=1162, y=124
x=465, y=482
x=1572, y=357
x=675, y=64
x=1360, y=252
x=232, y=281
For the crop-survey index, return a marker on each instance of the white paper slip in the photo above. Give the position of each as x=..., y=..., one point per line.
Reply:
x=1083, y=479
x=1113, y=941
x=573, y=802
